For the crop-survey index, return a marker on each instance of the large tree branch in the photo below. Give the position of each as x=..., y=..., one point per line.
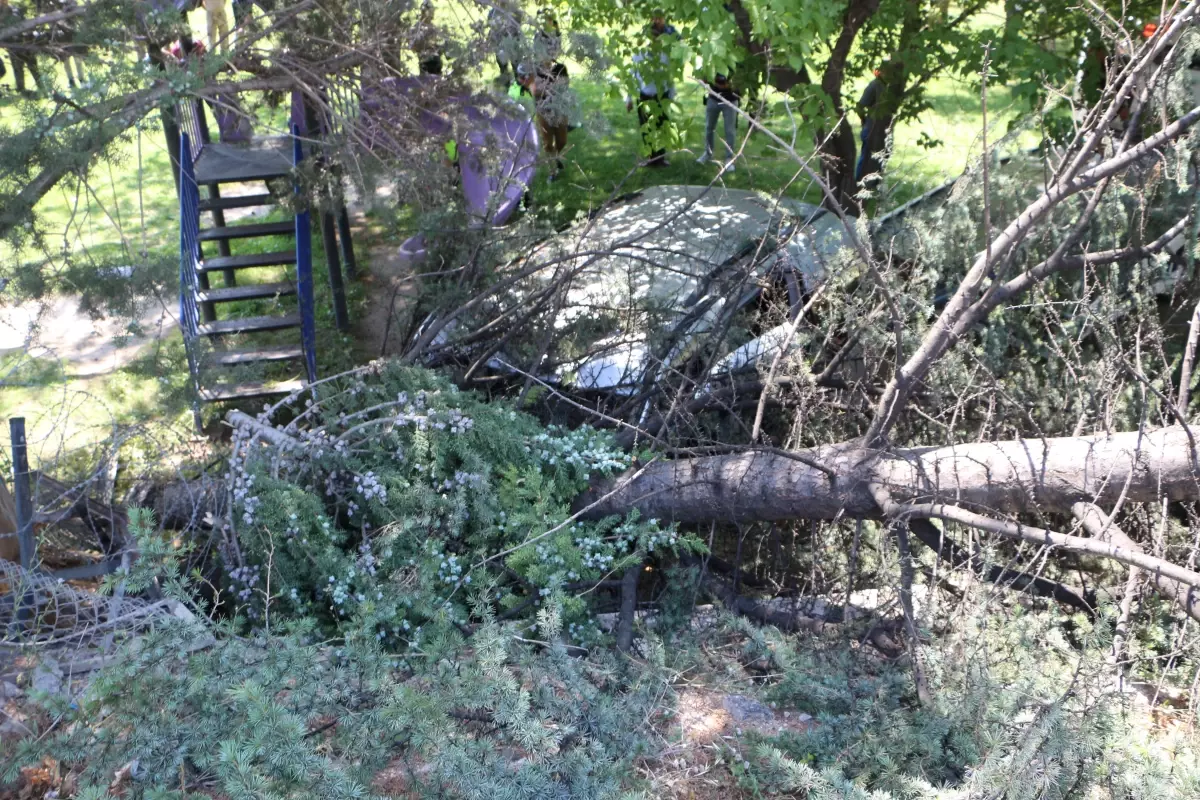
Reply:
x=1008, y=477
x=133, y=107
x=14, y=32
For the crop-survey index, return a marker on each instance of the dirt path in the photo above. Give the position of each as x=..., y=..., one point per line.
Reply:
x=56, y=328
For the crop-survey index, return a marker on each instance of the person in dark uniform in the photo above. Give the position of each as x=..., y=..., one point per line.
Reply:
x=866, y=111
x=21, y=60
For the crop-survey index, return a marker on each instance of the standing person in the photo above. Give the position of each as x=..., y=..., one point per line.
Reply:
x=655, y=91
x=61, y=35
x=866, y=112
x=549, y=84
x=720, y=100
x=217, y=14
x=428, y=45
x=22, y=60
x=504, y=35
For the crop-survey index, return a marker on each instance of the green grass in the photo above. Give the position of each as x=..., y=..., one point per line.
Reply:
x=602, y=156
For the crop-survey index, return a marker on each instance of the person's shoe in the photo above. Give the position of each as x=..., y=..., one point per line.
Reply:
x=704, y=159
x=552, y=178
x=730, y=167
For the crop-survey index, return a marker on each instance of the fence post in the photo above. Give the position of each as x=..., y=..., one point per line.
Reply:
x=24, y=502
x=22, y=492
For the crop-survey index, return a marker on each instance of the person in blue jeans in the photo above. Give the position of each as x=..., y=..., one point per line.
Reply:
x=720, y=101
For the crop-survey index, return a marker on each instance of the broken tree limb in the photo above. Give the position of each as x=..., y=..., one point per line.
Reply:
x=1013, y=476
x=971, y=300
x=958, y=557
x=240, y=420
x=788, y=620
x=1156, y=567
x=1102, y=528
x=910, y=620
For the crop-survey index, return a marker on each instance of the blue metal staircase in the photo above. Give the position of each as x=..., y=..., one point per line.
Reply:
x=231, y=352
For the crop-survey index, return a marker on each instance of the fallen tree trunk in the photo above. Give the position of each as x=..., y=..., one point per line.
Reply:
x=1007, y=477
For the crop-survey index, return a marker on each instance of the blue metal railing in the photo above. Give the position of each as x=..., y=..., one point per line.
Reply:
x=189, y=260
x=189, y=114
x=304, y=273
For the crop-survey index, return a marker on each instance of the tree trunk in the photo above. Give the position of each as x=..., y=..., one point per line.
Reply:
x=895, y=78
x=837, y=148
x=779, y=76
x=1006, y=477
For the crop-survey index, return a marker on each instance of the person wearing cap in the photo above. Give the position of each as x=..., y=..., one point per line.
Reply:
x=720, y=100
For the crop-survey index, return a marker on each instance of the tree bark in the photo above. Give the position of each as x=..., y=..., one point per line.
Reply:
x=629, y=590
x=1006, y=477
x=837, y=147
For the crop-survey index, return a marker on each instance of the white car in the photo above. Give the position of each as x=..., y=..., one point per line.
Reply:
x=651, y=276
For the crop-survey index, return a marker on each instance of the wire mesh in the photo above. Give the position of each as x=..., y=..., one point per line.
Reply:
x=40, y=611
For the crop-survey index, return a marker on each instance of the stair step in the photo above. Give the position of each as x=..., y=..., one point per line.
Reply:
x=248, y=325
x=238, y=201
x=247, y=261
x=255, y=355
x=247, y=391
x=251, y=291
x=247, y=231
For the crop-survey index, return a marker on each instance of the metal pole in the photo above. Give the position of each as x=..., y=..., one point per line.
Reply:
x=24, y=502
x=22, y=493
x=333, y=263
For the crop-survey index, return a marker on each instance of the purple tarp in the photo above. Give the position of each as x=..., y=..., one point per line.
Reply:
x=497, y=145
x=233, y=124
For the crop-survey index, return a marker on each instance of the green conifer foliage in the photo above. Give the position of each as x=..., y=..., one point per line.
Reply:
x=402, y=496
